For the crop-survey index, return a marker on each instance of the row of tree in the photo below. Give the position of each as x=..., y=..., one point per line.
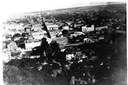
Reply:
x=114, y=14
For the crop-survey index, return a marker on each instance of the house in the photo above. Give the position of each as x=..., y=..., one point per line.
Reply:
x=31, y=45
x=61, y=40
x=38, y=35
x=102, y=27
x=12, y=28
x=87, y=29
x=52, y=27
x=69, y=22
x=37, y=27
x=65, y=28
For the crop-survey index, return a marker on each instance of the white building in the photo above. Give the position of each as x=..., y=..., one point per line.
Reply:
x=38, y=35
x=103, y=27
x=31, y=45
x=52, y=27
x=65, y=27
x=87, y=29
x=37, y=27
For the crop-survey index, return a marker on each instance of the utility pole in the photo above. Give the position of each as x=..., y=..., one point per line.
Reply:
x=44, y=27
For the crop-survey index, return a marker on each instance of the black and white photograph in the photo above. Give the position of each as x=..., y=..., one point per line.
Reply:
x=64, y=43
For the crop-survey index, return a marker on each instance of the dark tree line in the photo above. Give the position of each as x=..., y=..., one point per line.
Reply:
x=114, y=14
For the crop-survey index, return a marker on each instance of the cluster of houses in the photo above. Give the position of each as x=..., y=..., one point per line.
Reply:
x=37, y=33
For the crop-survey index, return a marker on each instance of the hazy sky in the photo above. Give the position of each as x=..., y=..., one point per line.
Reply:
x=9, y=7
x=19, y=6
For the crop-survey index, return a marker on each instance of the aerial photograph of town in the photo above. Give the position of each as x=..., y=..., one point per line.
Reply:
x=84, y=45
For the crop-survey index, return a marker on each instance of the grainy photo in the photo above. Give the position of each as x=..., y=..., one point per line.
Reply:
x=83, y=45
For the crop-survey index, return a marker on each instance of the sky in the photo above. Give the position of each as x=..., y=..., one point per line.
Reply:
x=11, y=7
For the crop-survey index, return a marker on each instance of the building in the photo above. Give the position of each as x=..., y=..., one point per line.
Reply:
x=88, y=29
x=102, y=27
x=37, y=28
x=65, y=28
x=39, y=35
x=52, y=27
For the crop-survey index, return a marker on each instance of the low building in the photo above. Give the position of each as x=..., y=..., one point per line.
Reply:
x=38, y=35
x=31, y=45
x=61, y=40
x=37, y=27
x=87, y=29
x=52, y=27
x=65, y=28
x=102, y=27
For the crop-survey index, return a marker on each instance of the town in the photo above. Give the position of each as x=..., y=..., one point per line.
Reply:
x=67, y=46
